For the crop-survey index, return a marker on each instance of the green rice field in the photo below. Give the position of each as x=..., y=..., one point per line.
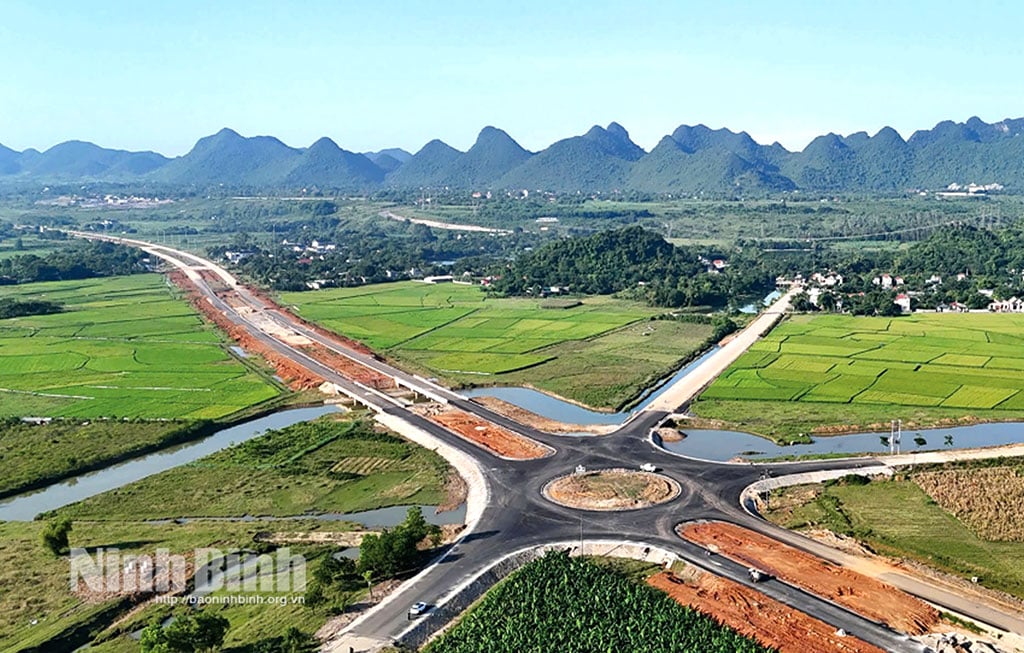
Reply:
x=459, y=333
x=951, y=364
x=123, y=347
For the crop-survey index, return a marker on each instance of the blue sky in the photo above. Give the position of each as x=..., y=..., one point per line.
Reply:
x=159, y=75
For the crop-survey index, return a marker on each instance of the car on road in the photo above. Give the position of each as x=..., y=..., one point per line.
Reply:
x=417, y=609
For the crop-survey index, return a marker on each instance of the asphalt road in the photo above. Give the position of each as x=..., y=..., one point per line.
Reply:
x=518, y=516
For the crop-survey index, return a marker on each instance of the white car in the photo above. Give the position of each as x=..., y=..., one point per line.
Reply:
x=417, y=609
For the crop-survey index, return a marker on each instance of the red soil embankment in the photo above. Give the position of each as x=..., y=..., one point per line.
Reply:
x=864, y=595
x=495, y=438
x=757, y=616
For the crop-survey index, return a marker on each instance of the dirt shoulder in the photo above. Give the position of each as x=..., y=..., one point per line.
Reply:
x=864, y=595
x=494, y=438
x=755, y=615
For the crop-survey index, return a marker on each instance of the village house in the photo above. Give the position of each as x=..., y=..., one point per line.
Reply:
x=886, y=280
x=903, y=301
x=829, y=280
x=1011, y=305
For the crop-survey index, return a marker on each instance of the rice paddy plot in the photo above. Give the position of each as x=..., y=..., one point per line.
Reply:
x=459, y=328
x=123, y=347
x=973, y=362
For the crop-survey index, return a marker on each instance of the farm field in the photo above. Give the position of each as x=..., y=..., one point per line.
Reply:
x=333, y=464
x=33, y=453
x=844, y=371
x=558, y=603
x=123, y=347
x=899, y=518
x=42, y=580
x=336, y=464
x=600, y=353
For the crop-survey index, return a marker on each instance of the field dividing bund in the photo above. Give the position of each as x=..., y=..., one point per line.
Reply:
x=945, y=365
x=601, y=351
x=124, y=347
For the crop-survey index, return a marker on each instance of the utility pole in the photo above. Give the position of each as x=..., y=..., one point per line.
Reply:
x=895, y=433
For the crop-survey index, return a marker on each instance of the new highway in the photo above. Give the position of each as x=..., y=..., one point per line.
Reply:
x=516, y=514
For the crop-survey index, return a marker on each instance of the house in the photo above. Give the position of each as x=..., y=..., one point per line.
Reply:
x=933, y=280
x=886, y=280
x=903, y=301
x=957, y=307
x=829, y=280
x=443, y=278
x=1011, y=305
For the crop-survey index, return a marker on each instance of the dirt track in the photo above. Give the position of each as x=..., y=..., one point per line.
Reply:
x=755, y=615
x=687, y=387
x=501, y=441
x=866, y=596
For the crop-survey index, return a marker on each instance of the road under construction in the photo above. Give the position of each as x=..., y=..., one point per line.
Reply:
x=507, y=510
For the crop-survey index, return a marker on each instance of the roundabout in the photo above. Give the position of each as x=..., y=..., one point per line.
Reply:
x=611, y=490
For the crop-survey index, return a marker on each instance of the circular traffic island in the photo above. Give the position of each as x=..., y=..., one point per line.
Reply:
x=611, y=489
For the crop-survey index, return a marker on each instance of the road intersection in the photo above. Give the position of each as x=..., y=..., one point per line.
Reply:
x=517, y=516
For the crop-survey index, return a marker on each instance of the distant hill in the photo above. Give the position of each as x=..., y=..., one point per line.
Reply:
x=10, y=161
x=385, y=162
x=440, y=165
x=692, y=160
x=598, y=160
x=431, y=166
x=396, y=153
x=229, y=158
x=493, y=155
x=326, y=165
x=81, y=160
x=695, y=160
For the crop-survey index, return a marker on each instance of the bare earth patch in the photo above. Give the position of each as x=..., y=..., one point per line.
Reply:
x=862, y=594
x=755, y=615
x=612, y=489
x=492, y=437
x=540, y=422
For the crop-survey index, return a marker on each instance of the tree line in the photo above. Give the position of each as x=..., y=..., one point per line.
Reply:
x=80, y=260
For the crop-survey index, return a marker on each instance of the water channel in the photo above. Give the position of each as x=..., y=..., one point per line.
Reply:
x=726, y=445
x=564, y=411
x=24, y=507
